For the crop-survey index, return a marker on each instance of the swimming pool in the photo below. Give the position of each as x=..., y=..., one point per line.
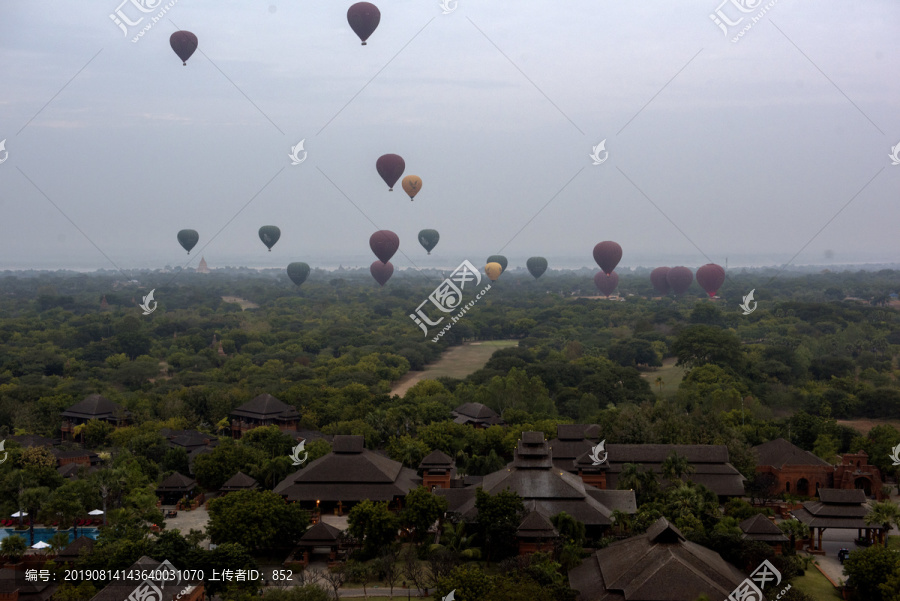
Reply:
x=45, y=534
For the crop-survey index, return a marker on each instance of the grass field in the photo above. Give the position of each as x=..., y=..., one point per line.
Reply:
x=814, y=584
x=456, y=362
x=670, y=374
x=864, y=425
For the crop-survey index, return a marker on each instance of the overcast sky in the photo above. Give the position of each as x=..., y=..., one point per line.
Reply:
x=717, y=149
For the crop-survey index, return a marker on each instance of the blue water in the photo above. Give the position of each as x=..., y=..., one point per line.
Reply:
x=44, y=534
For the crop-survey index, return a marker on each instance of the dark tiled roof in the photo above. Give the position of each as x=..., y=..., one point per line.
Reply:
x=810, y=517
x=189, y=440
x=94, y=406
x=69, y=470
x=761, y=528
x=710, y=463
x=349, y=475
x=536, y=525
x=574, y=431
x=659, y=564
x=348, y=444
x=437, y=460
x=176, y=482
x=842, y=497
x=73, y=550
x=320, y=534
x=239, y=481
x=14, y=580
x=550, y=489
x=122, y=589
x=476, y=410
x=265, y=406
x=780, y=452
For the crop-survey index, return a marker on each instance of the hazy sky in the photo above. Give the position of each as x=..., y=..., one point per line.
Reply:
x=749, y=148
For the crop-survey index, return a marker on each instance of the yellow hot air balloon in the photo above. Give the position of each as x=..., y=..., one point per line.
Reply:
x=493, y=271
x=412, y=184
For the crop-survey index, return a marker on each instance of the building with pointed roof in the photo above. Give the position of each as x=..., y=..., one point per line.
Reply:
x=202, y=267
x=476, y=414
x=762, y=529
x=534, y=478
x=839, y=509
x=536, y=532
x=710, y=462
x=156, y=590
x=349, y=474
x=437, y=470
x=796, y=471
x=263, y=410
x=321, y=539
x=659, y=564
x=175, y=487
x=93, y=406
x=854, y=472
x=239, y=481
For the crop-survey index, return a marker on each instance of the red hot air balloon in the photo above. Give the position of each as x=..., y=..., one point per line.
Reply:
x=384, y=243
x=606, y=283
x=382, y=272
x=183, y=43
x=711, y=277
x=607, y=254
x=659, y=281
x=390, y=167
x=363, y=18
x=680, y=278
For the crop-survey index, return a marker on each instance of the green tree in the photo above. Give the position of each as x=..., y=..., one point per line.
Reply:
x=374, y=524
x=884, y=514
x=498, y=518
x=13, y=547
x=407, y=450
x=212, y=470
x=421, y=509
x=469, y=581
x=256, y=520
x=642, y=482
x=96, y=433
x=675, y=466
x=701, y=344
x=869, y=568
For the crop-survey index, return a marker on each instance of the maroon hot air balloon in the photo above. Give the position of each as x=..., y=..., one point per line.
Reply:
x=659, y=281
x=390, y=167
x=363, y=18
x=382, y=272
x=711, y=277
x=680, y=278
x=607, y=254
x=384, y=243
x=606, y=283
x=183, y=43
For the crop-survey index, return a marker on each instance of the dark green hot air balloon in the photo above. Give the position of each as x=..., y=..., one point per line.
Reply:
x=536, y=266
x=498, y=259
x=269, y=234
x=429, y=239
x=188, y=239
x=298, y=272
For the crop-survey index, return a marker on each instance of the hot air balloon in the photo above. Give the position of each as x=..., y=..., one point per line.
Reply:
x=298, y=272
x=498, y=259
x=659, y=281
x=493, y=270
x=607, y=254
x=390, y=167
x=429, y=239
x=363, y=18
x=606, y=282
x=188, y=239
x=536, y=266
x=384, y=243
x=711, y=277
x=183, y=43
x=680, y=278
x=382, y=272
x=269, y=234
x=411, y=185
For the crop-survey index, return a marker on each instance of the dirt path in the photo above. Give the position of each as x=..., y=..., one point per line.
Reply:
x=244, y=303
x=456, y=362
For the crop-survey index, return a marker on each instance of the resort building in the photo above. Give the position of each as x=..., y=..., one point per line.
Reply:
x=349, y=474
x=477, y=415
x=93, y=406
x=264, y=410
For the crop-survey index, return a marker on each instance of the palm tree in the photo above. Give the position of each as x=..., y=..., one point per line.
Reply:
x=884, y=514
x=59, y=541
x=643, y=483
x=13, y=547
x=675, y=466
